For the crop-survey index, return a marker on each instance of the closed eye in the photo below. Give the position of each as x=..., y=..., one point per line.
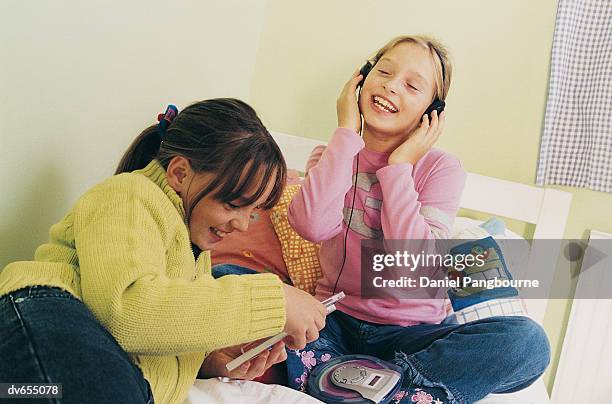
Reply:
x=413, y=87
x=383, y=72
x=232, y=206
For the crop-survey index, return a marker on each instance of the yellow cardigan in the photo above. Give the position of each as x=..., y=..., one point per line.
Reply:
x=124, y=250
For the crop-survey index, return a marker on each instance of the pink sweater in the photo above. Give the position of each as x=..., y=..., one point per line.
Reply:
x=392, y=201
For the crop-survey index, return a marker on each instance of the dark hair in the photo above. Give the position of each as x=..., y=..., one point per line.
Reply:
x=223, y=136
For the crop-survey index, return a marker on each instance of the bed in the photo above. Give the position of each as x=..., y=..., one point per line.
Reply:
x=547, y=209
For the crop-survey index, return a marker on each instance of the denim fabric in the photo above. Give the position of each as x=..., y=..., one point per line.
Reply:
x=456, y=363
x=230, y=269
x=443, y=363
x=49, y=336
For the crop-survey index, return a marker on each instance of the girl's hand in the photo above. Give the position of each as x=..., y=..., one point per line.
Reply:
x=420, y=140
x=214, y=364
x=305, y=317
x=347, y=105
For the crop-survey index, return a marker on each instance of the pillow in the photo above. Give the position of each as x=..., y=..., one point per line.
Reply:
x=301, y=256
x=493, y=267
x=470, y=304
x=494, y=227
x=516, y=248
x=271, y=245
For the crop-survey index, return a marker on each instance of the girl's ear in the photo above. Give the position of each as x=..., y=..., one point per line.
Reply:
x=179, y=173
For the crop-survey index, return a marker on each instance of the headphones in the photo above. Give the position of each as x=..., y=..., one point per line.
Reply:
x=436, y=105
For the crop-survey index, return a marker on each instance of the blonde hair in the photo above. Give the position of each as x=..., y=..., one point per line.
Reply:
x=443, y=69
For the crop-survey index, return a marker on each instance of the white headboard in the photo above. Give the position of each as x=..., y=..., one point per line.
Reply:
x=547, y=209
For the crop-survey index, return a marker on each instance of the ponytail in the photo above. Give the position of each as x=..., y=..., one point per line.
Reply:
x=142, y=150
x=147, y=144
x=223, y=136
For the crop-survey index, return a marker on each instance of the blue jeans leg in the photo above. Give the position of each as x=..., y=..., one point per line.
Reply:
x=331, y=344
x=49, y=336
x=470, y=361
x=230, y=269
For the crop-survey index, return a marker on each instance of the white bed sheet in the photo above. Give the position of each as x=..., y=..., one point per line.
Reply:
x=214, y=391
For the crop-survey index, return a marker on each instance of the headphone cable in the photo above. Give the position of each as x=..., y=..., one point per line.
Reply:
x=348, y=226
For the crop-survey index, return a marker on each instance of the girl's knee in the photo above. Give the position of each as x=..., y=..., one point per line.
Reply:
x=529, y=342
x=538, y=340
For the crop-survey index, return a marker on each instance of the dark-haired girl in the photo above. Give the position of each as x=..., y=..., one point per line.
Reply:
x=120, y=305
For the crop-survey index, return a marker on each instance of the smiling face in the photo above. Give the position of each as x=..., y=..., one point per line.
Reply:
x=211, y=220
x=397, y=91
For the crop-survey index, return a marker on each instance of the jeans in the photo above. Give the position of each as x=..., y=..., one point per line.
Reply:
x=447, y=362
x=49, y=336
x=457, y=363
x=230, y=269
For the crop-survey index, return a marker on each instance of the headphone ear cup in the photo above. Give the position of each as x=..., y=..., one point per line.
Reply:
x=437, y=105
x=364, y=71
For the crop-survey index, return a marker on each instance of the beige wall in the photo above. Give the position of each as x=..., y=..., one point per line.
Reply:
x=495, y=107
x=80, y=79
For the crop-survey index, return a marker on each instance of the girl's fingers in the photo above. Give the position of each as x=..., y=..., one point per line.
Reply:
x=279, y=347
x=352, y=84
x=320, y=322
x=425, y=121
x=276, y=350
x=312, y=334
x=442, y=121
x=298, y=341
x=258, y=366
x=354, y=77
x=283, y=356
x=432, y=131
x=322, y=311
x=433, y=121
x=423, y=128
x=241, y=372
x=439, y=127
x=277, y=354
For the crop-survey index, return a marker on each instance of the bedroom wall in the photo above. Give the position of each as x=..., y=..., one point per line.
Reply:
x=495, y=108
x=81, y=79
